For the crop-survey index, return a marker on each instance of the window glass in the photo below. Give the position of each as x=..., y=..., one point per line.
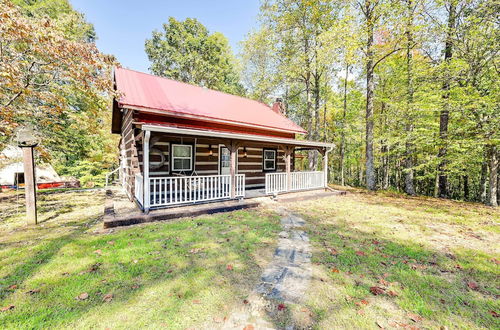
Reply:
x=181, y=157
x=269, y=159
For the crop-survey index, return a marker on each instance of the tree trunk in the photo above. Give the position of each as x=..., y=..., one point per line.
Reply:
x=409, y=185
x=342, y=128
x=370, y=168
x=385, y=166
x=483, y=191
x=466, y=187
x=493, y=164
x=444, y=115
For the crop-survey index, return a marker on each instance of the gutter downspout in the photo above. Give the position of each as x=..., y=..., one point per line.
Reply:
x=325, y=166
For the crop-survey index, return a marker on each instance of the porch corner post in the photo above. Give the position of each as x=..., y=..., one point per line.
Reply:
x=145, y=166
x=325, y=166
x=233, y=149
x=288, y=153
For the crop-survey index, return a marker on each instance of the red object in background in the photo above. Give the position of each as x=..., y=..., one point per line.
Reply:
x=169, y=97
x=48, y=185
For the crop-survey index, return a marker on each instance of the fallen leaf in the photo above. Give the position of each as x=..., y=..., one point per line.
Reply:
x=245, y=301
x=281, y=307
x=376, y=242
x=392, y=293
x=333, y=252
x=472, y=285
x=6, y=308
x=376, y=290
x=335, y=270
x=496, y=261
x=494, y=314
x=32, y=292
x=13, y=287
x=361, y=312
x=249, y=327
x=383, y=282
x=457, y=266
x=82, y=296
x=108, y=297
x=362, y=302
x=415, y=317
x=135, y=286
x=360, y=253
x=111, y=242
x=99, y=252
x=196, y=301
x=229, y=267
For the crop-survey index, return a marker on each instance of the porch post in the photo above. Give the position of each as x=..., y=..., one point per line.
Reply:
x=288, y=153
x=232, y=146
x=325, y=168
x=145, y=166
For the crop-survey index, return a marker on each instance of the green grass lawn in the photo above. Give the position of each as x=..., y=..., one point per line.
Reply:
x=430, y=263
x=379, y=260
x=174, y=274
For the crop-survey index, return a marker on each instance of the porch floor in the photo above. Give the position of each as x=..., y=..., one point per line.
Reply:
x=120, y=211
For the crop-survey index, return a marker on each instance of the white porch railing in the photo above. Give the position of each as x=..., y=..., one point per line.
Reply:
x=278, y=182
x=139, y=189
x=306, y=180
x=166, y=191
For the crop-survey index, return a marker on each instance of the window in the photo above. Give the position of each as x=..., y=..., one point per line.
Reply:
x=182, y=157
x=269, y=160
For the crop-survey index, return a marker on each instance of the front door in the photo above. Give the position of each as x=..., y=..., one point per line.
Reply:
x=224, y=161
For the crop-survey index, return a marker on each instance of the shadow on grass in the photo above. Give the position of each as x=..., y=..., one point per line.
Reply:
x=40, y=256
x=184, y=259
x=429, y=283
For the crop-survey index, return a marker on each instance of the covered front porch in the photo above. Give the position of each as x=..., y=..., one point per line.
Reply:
x=225, y=166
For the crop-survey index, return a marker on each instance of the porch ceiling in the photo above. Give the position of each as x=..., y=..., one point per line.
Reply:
x=234, y=136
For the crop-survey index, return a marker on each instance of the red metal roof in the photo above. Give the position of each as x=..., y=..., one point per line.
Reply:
x=144, y=91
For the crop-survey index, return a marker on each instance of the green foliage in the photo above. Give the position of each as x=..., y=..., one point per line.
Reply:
x=310, y=45
x=186, y=51
x=54, y=79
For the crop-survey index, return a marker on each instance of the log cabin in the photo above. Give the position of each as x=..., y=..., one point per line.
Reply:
x=183, y=144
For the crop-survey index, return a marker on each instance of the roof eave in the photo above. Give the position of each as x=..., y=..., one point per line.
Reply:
x=237, y=136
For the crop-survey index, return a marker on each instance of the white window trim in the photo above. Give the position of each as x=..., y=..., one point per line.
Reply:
x=176, y=157
x=273, y=159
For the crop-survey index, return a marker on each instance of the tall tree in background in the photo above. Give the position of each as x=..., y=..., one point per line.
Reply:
x=261, y=76
x=186, y=51
x=410, y=11
x=420, y=57
x=445, y=111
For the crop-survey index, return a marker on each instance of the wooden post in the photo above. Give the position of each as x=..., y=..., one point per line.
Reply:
x=288, y=153
x=233, y=150
x=145, y=166
x=29, y=184
x=325, y=168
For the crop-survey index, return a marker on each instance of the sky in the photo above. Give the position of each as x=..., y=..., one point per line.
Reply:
x=122, y=26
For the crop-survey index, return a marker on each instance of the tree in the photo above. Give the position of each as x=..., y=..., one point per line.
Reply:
x=186, y=51
x=258, y=57
x=53, y=78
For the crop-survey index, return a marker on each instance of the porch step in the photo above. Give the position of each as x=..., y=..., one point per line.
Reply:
x=113, y=220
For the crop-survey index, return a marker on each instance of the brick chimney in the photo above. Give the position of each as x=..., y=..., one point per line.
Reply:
x=278, y=106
